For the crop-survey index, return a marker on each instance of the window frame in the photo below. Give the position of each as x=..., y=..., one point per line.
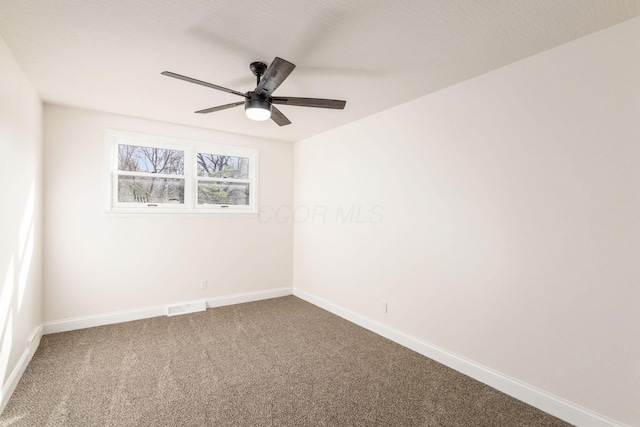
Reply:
x=190, y=148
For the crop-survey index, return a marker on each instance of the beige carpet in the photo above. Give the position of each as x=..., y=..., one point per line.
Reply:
x=279, y=362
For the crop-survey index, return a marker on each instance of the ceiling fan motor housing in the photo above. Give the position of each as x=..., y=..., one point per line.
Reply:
x=257, y=107
x=257, y=101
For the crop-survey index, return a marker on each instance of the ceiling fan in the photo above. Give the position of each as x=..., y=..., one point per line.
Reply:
x=259, y=103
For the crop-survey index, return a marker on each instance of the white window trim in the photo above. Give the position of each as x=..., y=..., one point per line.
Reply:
x=190, y=148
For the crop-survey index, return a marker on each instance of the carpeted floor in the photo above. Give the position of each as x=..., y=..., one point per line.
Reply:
x=279, y=362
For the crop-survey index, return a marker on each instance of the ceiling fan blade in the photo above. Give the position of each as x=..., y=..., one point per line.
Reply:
x=200, y=82
x=278, y=117
x=219, y=108
x=278, y=70
x=309, y=102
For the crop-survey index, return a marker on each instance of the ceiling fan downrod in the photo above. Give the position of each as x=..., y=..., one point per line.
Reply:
x=258, y=69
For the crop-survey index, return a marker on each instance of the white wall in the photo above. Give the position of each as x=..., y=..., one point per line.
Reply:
x=96, y=263
x=20, y=218
x=509, y=231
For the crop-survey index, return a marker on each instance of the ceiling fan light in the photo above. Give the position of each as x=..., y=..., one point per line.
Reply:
x=258, y=114
x=258, y=109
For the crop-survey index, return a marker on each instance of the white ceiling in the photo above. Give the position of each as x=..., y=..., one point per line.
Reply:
x=107, y=55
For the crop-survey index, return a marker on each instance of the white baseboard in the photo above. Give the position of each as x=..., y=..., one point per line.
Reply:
x=12, y=382
x=155, y=311
x=34, y=340
x=249, y=297
x=540, y=399
x=83, y=322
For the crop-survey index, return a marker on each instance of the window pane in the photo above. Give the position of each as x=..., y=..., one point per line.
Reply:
x=215, y=166
x=137, y=189
x=134, y=158
x=223, y=193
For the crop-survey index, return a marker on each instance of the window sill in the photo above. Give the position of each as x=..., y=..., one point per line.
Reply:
x=173, y=213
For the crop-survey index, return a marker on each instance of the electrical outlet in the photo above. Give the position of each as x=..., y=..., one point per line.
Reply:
x=203, y=284
x=383, y=306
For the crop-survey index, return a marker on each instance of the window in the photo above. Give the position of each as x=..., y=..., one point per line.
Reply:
x=150, y=175
x=222, y=180
x=154, y=174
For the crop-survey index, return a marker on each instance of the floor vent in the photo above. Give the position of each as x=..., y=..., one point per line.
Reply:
x=174, y=310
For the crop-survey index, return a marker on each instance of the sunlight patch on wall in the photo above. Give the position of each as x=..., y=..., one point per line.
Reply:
x=6, y=297
x=7, y=345
x=25, y=267
x=26, y=245
x=27, y=219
